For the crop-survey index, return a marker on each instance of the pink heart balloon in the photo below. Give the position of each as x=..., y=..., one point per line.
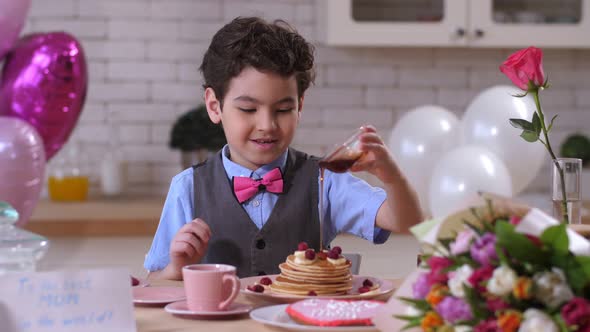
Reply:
x=12, y=20
x=44, y=82
x=22, y=165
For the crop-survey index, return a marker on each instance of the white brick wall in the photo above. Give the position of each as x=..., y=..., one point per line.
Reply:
x=144, y=56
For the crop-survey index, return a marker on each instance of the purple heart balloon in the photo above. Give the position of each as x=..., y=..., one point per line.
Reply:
x=22, y=165
x=44, y=82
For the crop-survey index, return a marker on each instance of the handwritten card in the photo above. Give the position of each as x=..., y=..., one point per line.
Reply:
x=79, y=300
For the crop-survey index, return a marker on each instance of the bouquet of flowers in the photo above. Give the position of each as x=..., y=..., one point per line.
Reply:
x=501, y=271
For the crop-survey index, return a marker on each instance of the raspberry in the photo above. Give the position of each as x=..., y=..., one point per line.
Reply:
x=266, y=281
x=333, y=255
x=364, y=289
x=337, y=250
x=134, y=281
x=302, y=246
x=322, y=255
x=367, y=283
x=256, y=288
x=310, y=254
x=312, y=293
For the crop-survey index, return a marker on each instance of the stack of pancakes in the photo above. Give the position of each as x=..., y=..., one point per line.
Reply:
x=320, y=277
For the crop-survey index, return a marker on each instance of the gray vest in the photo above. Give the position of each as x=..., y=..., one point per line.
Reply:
x=235, y=239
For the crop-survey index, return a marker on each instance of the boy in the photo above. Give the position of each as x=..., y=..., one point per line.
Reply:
x=256, y=74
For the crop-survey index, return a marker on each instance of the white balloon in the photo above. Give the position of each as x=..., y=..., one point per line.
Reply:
x=418, y=140
x=462, y=173
x=485, y=123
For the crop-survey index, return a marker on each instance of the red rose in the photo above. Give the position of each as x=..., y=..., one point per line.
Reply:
x=490, y=325
x=478, y=278
x=525, y=66
x=496, y=304
x=437, y=265
x=577, y=312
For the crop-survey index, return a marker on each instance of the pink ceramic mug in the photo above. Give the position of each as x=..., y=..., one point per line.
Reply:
x=210, y=287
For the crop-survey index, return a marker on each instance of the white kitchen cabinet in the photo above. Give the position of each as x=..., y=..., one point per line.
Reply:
x=457, y=23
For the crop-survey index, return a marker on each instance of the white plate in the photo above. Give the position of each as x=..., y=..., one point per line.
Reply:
x=181, y=309
x=275, y=315
x=157, y=295
x=385, y=287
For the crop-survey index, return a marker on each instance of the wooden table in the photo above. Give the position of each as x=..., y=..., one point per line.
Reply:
x=156, y=319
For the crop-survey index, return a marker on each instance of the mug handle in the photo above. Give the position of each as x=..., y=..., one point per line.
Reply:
x=235, y=290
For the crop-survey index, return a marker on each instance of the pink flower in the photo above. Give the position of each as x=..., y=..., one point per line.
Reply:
x=421, y=287
x=525, y=66
x=462, y=243
x=483, y=250
x=577, y=312
x=480, y=277
x=490, y=325
x=453, y=309
x=437, y=265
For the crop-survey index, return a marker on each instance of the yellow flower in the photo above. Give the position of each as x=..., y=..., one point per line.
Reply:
x=522, y=288
x=509, y=320
x=437, y=293
x=431, y=321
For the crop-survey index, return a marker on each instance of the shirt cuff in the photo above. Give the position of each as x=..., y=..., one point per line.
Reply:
x=380, y=235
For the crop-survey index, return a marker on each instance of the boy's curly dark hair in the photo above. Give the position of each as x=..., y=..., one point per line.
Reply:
x=251, y=41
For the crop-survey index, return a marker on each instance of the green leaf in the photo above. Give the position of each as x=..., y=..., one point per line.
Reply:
x=537, y=124
x=517, y=245
x=584, y=262
x=529, y=136
x=478, y=306
x=556, y=238
x=421, y=305
x=574, y=272
x=406, y=317
x=411, y=325
x=551, y=123
x=522, y=124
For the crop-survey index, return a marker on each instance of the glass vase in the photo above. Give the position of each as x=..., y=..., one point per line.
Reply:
x=567, y=202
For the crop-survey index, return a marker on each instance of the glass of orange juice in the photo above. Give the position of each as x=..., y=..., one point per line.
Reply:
x=67, y=180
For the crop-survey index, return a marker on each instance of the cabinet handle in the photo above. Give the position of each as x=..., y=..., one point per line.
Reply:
x=479, y=33
x=460, y=32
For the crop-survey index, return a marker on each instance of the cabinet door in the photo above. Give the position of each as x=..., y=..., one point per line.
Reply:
x=395, y=22
x=522, y=23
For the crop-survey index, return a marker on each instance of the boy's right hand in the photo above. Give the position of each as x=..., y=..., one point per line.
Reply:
x=189, y=245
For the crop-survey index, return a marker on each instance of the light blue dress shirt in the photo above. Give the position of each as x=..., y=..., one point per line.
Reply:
x=350, y=206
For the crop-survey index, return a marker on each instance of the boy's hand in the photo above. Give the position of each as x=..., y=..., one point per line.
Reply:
x=189, y=245
x=377, y=159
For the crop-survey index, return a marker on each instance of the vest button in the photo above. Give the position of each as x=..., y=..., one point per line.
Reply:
x=261, y=273
x=260, y=244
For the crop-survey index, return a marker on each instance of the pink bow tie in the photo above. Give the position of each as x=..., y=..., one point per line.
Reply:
x=245, y=187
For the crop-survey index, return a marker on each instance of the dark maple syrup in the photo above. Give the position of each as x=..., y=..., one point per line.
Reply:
x=340, y=160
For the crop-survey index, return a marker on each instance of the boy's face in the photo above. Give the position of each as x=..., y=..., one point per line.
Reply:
x=260, y=113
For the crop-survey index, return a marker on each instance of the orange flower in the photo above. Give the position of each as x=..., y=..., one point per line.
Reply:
x=431, y=321
x=437, y=293
x=509, y=320
x=522, y=288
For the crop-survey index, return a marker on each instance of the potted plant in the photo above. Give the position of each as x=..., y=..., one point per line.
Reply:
x=196, y=136
x=578, y=146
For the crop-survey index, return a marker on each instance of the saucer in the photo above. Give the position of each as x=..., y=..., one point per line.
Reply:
x=157, y=295
x=141, y=283
x=181, y=309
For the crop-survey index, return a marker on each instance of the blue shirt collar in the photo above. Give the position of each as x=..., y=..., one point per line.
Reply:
x=233, y=169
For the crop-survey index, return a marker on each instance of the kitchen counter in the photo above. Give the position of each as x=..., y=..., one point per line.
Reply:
x=124, y=216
